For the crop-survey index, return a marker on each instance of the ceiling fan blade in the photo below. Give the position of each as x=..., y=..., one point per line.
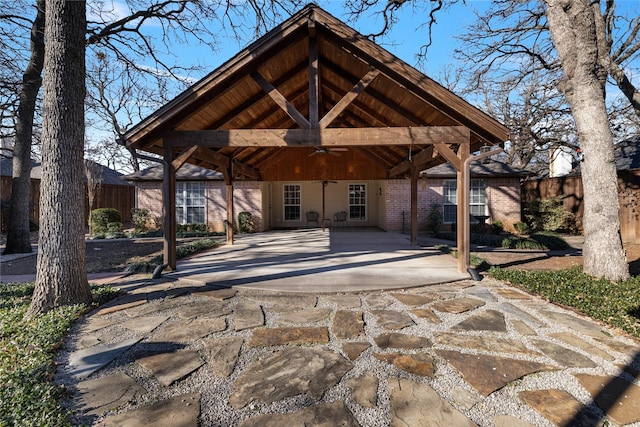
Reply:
x=339, y=149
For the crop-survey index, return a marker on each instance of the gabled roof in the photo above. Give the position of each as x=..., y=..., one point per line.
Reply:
x=313, y=67
x=108, y=175
x=489, y=168
x=627, y=154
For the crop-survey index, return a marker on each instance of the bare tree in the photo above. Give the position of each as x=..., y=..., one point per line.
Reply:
x=61, y=270
x=574, y=27
x=580, y=49
x=126, y=38
x=18, y=233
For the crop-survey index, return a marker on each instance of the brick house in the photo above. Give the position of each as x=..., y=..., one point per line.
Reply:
x=201, y=198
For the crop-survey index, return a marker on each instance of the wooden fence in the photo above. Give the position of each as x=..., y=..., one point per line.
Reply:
x=120, y=197
x=570, y=189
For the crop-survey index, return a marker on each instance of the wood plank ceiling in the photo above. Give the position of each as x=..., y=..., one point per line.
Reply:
x=314, y=73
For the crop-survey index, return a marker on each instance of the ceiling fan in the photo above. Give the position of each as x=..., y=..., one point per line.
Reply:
x=324, y=150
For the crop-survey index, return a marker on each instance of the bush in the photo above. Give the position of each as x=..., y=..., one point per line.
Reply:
x=102, y=217
x=245, y=222
x=497, y=227
x=114, y=227
x=547, y=214
x=434, y=218
x=522, y=228
x=141, y=219
x=191, y=228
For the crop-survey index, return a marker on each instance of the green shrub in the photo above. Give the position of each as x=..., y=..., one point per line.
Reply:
x=245, y=222
x=547, y=214
x=114, y=227
x=613, y=303
x=102, y=217
x=141, y=219
x=191, y=228
x=522, y=228
x=497, y=227
x=519, y=242
x=434, y=218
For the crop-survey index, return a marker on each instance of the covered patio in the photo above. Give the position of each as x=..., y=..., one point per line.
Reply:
x=313, y=100
x=310, y=260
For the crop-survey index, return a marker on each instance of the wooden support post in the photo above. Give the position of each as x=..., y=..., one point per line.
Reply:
x=415, y=173
x=228, y=179
x=169, y=208
x=464, y=229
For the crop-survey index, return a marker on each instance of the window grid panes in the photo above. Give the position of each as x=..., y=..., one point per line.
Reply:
x=190, y=203
x=292, y=202
x=357, y=202
x=477, y=199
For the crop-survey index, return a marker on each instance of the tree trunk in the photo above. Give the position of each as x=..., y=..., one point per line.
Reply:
x=18, y=233
x=572, y=26
x=61, y=277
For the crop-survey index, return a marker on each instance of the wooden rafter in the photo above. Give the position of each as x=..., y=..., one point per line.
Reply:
x=356, y=90
x=280, y=100
x=418, y=160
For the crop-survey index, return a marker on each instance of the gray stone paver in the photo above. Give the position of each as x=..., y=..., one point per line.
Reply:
x=391, y=319
x=418, y=405
x=83, y=363
x=287, y=373
x=108, y=392
x=267, y=349
x=563, y=355
x=348, y=324
x=177, y=411
x=224, y=353
x=170, y=367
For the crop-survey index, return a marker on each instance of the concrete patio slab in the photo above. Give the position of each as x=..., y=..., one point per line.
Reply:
x=310, y=260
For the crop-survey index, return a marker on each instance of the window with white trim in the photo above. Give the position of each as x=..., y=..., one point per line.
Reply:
x=292, y=202
x=477, y=199
x=190, y=202
x=357, y=202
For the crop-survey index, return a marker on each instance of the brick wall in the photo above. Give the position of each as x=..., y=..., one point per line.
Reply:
x=503, y=198
x=247, y=196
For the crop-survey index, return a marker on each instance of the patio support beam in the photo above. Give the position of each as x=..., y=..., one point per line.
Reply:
x=415, y=173
x=228, y=180
x=169, y=208
x=464, y=227
x=280, y=100
x=329, y=137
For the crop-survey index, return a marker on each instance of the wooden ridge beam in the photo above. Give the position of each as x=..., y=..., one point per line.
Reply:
x=330, y=137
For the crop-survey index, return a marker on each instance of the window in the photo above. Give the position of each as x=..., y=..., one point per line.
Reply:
x=477, y=199
x=292, y=202
x=190, y=202
x=357, y=202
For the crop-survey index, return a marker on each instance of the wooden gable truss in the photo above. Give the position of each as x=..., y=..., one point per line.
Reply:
x=314, y=85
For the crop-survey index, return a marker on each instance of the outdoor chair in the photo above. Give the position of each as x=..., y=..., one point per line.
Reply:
x=340, y=217
x=313, y=217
